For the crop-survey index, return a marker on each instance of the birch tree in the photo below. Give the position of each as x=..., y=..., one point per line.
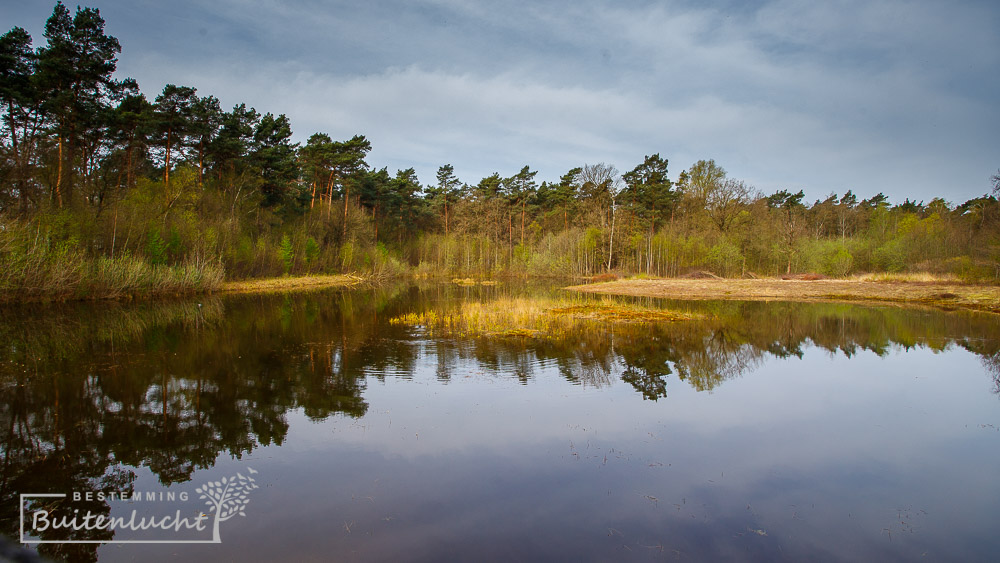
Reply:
x=603, y=179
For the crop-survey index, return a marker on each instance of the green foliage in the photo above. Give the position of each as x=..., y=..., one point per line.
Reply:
x=591, y=238
x=273, y=156
x=31, y=267
x=286, y=252
x=828, y=257
x=971, y=271
x=311, y=251
x=347, y=256
x=725, y=259
x=174, y=246
x=156, y=248
x=838, y=263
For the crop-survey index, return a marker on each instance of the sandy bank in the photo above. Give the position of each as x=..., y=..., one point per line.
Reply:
x=937, y=294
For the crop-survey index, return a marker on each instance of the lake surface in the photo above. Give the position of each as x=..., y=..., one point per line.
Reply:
x=760, y=432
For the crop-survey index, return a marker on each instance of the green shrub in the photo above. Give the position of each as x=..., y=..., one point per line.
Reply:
x=311, y=252
x=286, y=252
x=724, y=258
x=156, y=248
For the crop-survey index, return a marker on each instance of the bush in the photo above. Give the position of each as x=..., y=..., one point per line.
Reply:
x=156, y=248
x=971, y=271
x=725, y=258
x=286, y=253
x=312, y=252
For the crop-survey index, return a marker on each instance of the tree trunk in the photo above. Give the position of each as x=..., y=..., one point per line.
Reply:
x=611, y=243
x=201, y=163
x=522, y=222
x=649, y=251
x=128, y=159
x=166, y=168
x=59, y=173
x=114, y=233
x=329, y=195
x=347, y=198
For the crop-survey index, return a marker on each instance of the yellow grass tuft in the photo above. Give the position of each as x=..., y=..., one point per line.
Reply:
x=536, y=318
x=907, y=277
x=290, y=283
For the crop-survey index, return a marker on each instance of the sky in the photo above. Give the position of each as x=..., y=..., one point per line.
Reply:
x=894, y=96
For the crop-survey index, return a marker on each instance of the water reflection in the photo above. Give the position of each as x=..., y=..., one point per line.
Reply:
x=90, y=392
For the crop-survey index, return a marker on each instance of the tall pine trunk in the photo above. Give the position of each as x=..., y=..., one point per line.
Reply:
x=166, y=169
x=59, y=173
x=347, y=199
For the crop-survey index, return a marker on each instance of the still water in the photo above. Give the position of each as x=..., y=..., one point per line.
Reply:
x=760, y=432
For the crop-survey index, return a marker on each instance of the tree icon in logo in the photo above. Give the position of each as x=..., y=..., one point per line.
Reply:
x=227, y=498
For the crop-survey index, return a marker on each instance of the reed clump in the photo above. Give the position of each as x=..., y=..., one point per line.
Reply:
x=620, y=313
x=909, y=277
x=33, y=267
x=532, y=318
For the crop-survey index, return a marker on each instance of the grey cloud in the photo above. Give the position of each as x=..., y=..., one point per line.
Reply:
x=875, y=96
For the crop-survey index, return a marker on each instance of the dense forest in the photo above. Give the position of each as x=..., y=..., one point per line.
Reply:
x=105, y=192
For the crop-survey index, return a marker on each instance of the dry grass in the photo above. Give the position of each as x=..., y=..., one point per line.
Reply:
x=919, y=291
x=298, y=283
x=605, y=277
x=471, y=282
x=918, y=277
x=525, y=317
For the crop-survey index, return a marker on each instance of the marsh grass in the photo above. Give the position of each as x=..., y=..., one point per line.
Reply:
x=534, y=318
x=34, y=267
x=117, y=277
x=932, y=291
x=293, y=283
x=908, y=277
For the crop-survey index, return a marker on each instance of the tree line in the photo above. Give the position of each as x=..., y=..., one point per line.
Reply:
x=103, y=190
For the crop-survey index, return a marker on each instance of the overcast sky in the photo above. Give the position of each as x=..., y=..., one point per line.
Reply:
x=901, y=97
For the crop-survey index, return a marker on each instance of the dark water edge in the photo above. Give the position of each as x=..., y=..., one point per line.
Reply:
x=766, y=431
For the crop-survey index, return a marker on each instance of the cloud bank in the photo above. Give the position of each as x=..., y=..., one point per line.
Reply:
x=891, y=96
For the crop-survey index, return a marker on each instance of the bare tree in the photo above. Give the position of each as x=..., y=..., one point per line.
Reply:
x=598, y=179
x=727, y=199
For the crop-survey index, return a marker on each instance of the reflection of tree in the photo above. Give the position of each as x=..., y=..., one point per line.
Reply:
x=734, y=340
x=87, y=390
x=991, y=362
x=84, y=390
x=718, y=361
x=651, y=385
x=48, y=445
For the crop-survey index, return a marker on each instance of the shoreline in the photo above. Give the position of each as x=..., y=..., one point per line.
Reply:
x=261, y=285
x=941, y=295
